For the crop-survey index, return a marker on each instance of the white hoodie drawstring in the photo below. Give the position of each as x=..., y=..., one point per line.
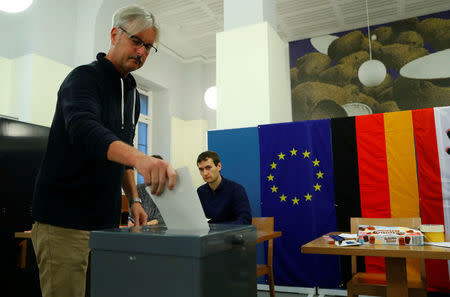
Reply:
x=134, y=104
x=123, y=103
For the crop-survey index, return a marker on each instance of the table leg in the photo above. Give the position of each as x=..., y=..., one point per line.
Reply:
x=396, y=279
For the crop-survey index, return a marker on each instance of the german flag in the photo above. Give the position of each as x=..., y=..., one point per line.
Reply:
x=375, y=172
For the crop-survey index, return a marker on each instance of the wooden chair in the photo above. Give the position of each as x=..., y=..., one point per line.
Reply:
x=266, y=224
x=22, y=256
x=125, y=211
x=375, y=283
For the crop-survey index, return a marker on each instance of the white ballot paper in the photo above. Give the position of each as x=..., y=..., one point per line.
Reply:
x=442, y=244
x=181, y=207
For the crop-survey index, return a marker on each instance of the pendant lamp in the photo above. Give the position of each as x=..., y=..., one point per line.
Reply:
x=371, y=73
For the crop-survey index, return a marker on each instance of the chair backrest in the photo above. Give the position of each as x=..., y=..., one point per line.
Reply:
x=266, y=224
x=263, y=223
x=125, y=211
x=413, y=223
x=125, y=207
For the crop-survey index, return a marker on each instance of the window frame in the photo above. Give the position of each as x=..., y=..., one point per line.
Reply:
x=145, y=119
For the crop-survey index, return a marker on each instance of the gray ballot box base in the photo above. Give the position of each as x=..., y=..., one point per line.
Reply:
x=155, y=261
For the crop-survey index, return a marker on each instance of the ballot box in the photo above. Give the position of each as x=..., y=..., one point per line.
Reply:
x=156, y=261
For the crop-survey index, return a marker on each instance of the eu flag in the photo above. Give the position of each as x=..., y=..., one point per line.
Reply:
x=297, y=189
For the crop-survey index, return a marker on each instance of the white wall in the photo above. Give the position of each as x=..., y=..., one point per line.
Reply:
x=279, y=78
x=5, y=86
x=188, y=141
x=238, y=81
x=47, y=28
x=47, y=76
x=21, y=77
x=161, y=125
x=15, y=41
x=209, y=79
x=84, y=34
x=238, y=13
x=252, y=79
x=29, y=88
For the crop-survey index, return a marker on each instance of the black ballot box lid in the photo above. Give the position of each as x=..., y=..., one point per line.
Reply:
x=159, y=240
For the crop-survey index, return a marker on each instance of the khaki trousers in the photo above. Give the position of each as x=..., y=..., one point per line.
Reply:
x=62, y=256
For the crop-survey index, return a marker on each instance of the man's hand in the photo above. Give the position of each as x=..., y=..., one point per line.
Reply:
x=152, y=222
x=155, y=172
x=139, y=214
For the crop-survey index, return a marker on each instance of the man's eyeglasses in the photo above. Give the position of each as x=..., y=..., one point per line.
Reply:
x=150, y=48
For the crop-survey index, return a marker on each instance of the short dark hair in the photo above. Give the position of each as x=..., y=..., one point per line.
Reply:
x=209, y=154
x=157, y=157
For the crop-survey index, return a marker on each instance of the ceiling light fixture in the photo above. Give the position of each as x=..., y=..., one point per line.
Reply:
x=371, y=73
x=14, y=6
x=211, y=97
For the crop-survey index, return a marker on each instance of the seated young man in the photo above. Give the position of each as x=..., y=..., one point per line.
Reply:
x=224, y=201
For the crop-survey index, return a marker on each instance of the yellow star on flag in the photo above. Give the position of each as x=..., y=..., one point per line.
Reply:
x=274, y=189
x=295, y=201
x=317, y=187
x=308, y=197
x=283, y=197
x=270, y=177
x=316, y=162
x=306, y=154
x=281, y=156
x=319, y=174
x=273, y=165
x=293, y=152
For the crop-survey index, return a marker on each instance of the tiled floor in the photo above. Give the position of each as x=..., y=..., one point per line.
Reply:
x=280, y=294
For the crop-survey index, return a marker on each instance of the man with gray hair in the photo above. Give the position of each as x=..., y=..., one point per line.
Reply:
x=90, y=156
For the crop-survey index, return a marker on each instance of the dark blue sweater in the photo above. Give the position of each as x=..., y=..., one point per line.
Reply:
x=77, y=187
x=228, y=204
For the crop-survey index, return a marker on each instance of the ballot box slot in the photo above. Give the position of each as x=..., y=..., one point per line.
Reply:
x=173, y=242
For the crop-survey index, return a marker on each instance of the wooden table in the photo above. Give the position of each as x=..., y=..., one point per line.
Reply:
x=395, y=258
x=263, y=236
x=26, y=234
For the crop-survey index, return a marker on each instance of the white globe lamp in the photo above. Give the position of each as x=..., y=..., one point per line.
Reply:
x=14, y=6
x=211, y=97
x=372, y=73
